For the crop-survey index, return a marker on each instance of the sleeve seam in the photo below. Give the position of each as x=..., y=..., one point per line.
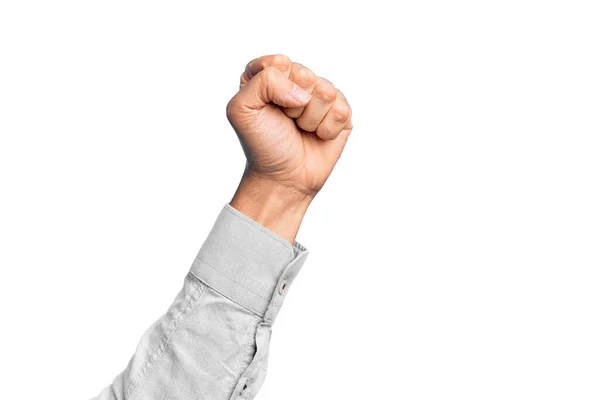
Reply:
x=231, y=279
x=191, y=302
x=239, y=303
x=244, y=362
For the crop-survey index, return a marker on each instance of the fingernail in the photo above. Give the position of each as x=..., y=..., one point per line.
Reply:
x=300, y=94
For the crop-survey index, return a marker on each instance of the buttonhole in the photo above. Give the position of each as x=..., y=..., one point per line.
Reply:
x=282, y=286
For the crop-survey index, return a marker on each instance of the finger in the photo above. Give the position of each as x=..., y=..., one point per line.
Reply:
x=323, y=97
x=334, y=148
x=269, y=85
x=304, y=78
x=336, y=120
x=280, y=61
x=349, y=124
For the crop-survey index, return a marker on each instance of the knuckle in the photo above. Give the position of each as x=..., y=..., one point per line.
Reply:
x=269, y=73
x=341, y=112
x=244, y=78
x=306, y=123
x=342, y=96
x=280, y=60
x=326, y=132
x=305, y=75
x=325, y=90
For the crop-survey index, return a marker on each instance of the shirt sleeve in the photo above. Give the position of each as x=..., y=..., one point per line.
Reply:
x=213, y=341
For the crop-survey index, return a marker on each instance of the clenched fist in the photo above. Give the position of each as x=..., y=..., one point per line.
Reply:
x=293, y=127
x=292, y=124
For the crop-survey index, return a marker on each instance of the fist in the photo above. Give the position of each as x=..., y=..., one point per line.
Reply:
x=292, y=124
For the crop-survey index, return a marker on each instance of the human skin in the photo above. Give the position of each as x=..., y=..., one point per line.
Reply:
x=293, y=126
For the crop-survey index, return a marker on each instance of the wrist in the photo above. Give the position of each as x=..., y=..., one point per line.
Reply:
x=275, y=205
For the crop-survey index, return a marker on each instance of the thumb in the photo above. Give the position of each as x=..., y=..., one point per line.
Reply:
x=272, y=86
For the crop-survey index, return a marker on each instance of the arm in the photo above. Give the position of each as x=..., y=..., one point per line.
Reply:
x=213, y=342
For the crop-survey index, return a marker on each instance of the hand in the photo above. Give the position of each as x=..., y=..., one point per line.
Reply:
x=289, y=136
x=293, y=127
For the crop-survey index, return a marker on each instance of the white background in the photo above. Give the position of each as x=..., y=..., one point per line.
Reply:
x=454, y=251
